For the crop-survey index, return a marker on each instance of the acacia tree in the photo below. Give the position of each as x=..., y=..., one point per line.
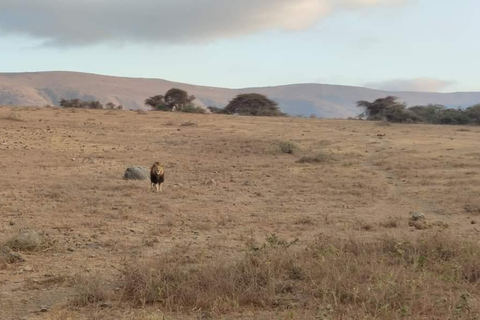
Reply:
x=156, y=102
x=174, y=100
x=388, y=109
x=379, y=106
x=253, y=104
x=177, y=99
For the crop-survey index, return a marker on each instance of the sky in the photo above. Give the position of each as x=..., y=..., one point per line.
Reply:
x=399, y=45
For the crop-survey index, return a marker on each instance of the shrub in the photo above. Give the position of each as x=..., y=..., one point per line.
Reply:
x=193, y=109
x=287, y=147
x=90, y=289
x=26, y=240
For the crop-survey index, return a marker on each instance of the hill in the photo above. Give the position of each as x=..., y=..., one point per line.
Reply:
x=328, y=101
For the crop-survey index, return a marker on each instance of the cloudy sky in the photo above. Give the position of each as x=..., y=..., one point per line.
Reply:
x=422, y=45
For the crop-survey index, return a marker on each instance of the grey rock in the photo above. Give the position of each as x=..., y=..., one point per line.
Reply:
x=136, y=173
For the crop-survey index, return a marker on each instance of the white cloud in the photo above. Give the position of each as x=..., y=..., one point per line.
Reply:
x=417, y=84
x=73, y=22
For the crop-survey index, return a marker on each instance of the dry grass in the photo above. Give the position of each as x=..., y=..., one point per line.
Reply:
x=387, y=279
x=189, y=124
x=90, y=289
x=390, y=223
x=8, y=257
x=320, y=157
x=96, y=220
x=13, y=117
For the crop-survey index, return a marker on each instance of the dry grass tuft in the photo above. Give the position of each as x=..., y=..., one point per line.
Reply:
x=320, y=157
x=305, y=221
x=27, y=240
x=8, y=257
x=189, y=124
x=90, y=289
x=390, y=223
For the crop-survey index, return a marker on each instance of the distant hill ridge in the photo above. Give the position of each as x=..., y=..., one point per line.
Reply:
x=323, y=100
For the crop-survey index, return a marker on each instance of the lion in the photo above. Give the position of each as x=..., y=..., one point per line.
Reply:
x=157, y=176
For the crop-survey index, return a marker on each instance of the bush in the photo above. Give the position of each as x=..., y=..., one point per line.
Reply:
x=193, y=109
x=90, y=289
x=287, y=147
x=26, y=240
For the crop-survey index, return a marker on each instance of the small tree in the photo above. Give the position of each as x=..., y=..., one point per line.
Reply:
x=177, y=99
x=474, y=113
x=430, y=113
x=110, y=106
x=253, y=104
x=174, y=100
x=387, y=109
x=157, y=102
x=94, y=105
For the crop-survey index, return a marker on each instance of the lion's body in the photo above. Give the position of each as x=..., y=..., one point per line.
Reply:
x=157, y=176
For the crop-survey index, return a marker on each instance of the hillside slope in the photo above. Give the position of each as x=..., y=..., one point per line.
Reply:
x=329, y=101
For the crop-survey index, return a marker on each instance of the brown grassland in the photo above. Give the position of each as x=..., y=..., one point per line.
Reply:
x=260, y=218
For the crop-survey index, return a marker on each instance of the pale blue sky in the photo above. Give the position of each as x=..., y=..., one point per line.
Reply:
x=427, y=45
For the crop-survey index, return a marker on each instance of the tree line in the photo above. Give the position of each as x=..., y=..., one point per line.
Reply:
x=178, y=100
x=252, y=104
x=81, y=104
x=391, y=110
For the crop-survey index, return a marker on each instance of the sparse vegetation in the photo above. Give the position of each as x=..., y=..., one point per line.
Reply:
x=319, y=157
x=390, y=278
x=228, y=186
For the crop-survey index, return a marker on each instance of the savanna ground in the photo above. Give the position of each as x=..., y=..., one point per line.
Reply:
x=260, y=218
